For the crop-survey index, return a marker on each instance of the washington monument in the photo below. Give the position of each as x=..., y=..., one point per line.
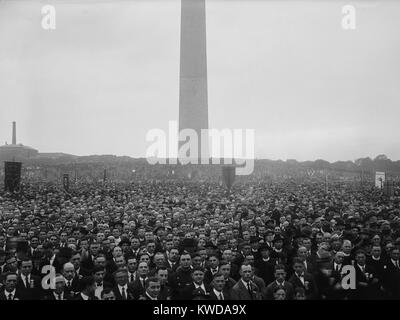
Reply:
x=193, y=97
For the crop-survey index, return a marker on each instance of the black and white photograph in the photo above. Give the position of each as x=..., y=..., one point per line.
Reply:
x=215, y=151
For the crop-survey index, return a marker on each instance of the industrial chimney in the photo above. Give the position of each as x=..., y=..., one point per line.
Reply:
x=14, y=133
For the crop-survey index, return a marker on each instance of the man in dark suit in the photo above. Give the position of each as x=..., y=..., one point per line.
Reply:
x=88, y=260
x=9, y=290
x=152, y=289
x=172, y=260
x=98, y=274
x=139, y=285
x=50, y=258
x=376, y=261
x=225, y=269
x=197, y=283
x=88, y=289
x=280, y=276
x=72, y=282
x=212, y=269
x=76, y=261
x=58, y=293
x=333, y=289
x=165, y=289
x=367, y=284
x=264, y=267
x=33, y=244
x=245, y=289
x=218, y=291
x=123, y=290
x=183, y=275
x=307, y=261
x=304, y=280
x=392, y=275
x=28, y=284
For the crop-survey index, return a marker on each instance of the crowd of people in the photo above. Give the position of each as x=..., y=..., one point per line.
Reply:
x=185, y=240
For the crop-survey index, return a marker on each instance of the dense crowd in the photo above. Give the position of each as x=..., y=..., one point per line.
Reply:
x=161, y=240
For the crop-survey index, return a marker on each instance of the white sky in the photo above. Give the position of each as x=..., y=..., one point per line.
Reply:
x=110, y=72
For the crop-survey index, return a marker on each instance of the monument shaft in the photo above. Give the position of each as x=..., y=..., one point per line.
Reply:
x=193, y=97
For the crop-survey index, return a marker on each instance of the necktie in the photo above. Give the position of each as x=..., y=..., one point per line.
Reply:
x=220, y=297
x=10, y=296
x=132, y=277
x=143, y=283
x=59, y=296
x=249, y=289
x=123, y=294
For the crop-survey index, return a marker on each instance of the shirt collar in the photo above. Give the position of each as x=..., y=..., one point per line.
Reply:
x=120, y=287
x=149, y=296
x=8, y=293
x=217, y=293
x=84, y=296
x=199, y=286
x=246, y=283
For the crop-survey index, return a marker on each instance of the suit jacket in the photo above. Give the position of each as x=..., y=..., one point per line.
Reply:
x=240, y=292
x=83, y=272
x=57, y=265
x=309, y=285
x=187, y=292
x=165, y=292
x=208, y=276
x=137, y=288
x=365, y=286
x=391, y=281
x=50, y=296
x=229, y=283
x=87, y=262
x=17, y=296
x=33, y=291
x=288, y=286
x=75, y=286
x=225, y=293
x=79, y=297
x=260, y=283
x=265, y=270
x=129, y=293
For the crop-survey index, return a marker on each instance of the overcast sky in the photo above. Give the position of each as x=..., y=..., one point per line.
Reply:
x=110, y=72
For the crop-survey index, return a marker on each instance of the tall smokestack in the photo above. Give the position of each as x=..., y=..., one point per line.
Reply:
x=14, y=133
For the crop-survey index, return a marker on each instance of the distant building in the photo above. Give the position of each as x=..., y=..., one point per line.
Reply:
x=16, y=152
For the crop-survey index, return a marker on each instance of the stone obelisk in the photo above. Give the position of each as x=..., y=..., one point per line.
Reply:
x=193, y=97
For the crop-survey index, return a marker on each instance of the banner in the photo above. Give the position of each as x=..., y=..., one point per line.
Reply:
x=12, y=176
x=379, y=179
x=66, y=181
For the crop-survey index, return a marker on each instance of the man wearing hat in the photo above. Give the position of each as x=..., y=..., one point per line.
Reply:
x=278, y=253
x=264, y=265
x=255, y=245
x=269, y=237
